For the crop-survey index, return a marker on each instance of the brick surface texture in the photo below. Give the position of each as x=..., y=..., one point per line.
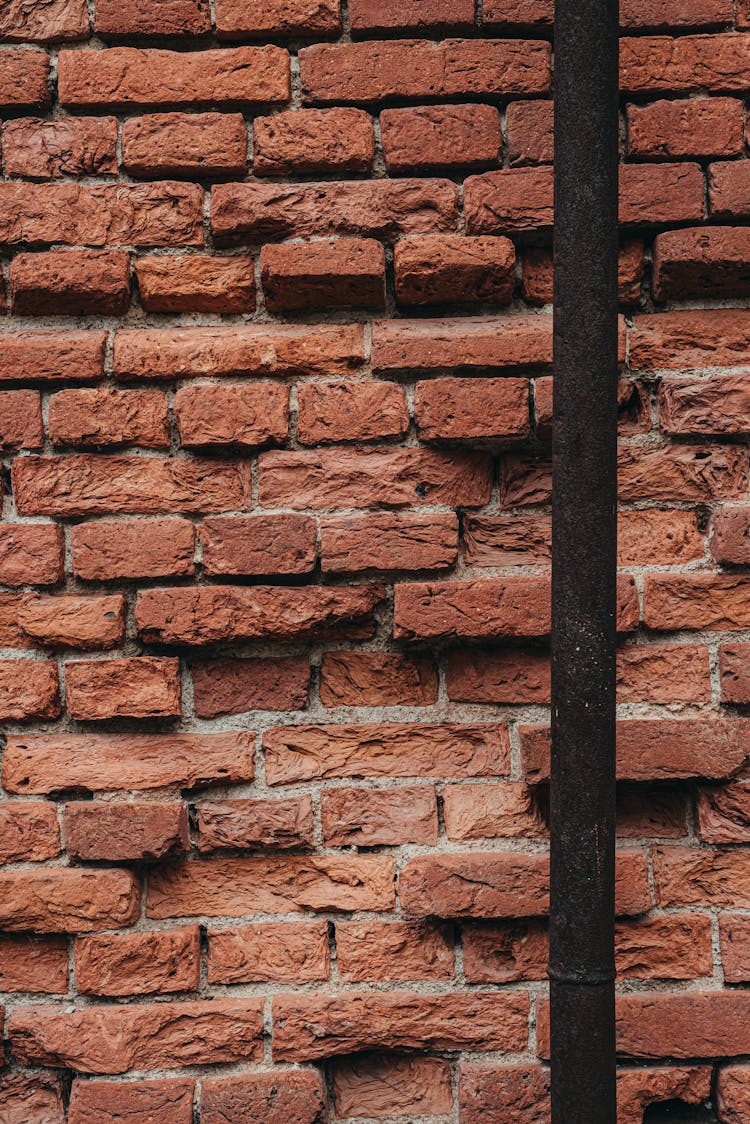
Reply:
x=275, y=431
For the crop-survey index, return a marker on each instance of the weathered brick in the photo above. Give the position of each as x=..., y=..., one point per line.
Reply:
x=369, y=951
x=50, y=22
x=71, y=146
x=713, y=63
x=72, y=621
x=388, y=542
x=100, y=1102
x=309, y=141
x=734, y=937
x=686, y=127
x=138, y=963
x=492, y=811
x=31, y=553
x=70, y=282
x=689, y=1025
x=735, y=685
x=255, y=824
x=32, y=1096
x=108, y=417
x=244, y=414
x=24, y=80
x=21, y=424
x=730, y=535
x=682, y=472
x=233, y=686
x=367, y=16
x=431, y=138
x=37, y=964
x=67, y=900
x=407, y=346
x=124, y=832
x=30, y=831
x=114, y=18
x=676, y=340
x=472, y=409
x=336, y=273
x=715, y=405
x=733, y=1093
x=724, y=814
x=705, y=601
x=29, y=689
x=435, y=270
x=530, y=139
x=196, y=283
x=284, y=1095
x=701, y=262
x=185, y=144
x=278, y=18
x=350, y=411
x=269, y=952
x=376, y=679
x=51, y=356
x=130, y=548
x=146, y=687
x=389, y=1084
x=363, y=817
x=693, y=876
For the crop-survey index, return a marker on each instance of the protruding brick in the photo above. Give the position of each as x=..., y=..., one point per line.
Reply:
x=434, y=270
x=682, y=472
x=109, y=417
x=143, y=687
x=138, y=963
x=376, y=679
x=255, y=824
x=24, y=1094
x=492, y=811
x=694, y=876
x=144, y=548
x=123, y=832
x=70, y=282
x=248, y=415
x=100, y=1102
x=30, y=831
x=115, y=18
x=715, y=405
x=269, y=952
x=68, y=900
x=196, y=283
x=233, y=686
x=308, y=141
x=70, y=146
x=56, y=20
x=690, y=127
x=278, y=18
x=37, y=964
x=388, y=542
x=286, y=1095
x=24, y=80
x=337, y=273
x=431, y=138
x=724, y=814
x=363, y=817
x=29, y=689
x=74, y=622
x=21, y=424
x=403, y=951
x=31, y=553
x=51, y=356
x=679, y=340
x=185, y=144
x=472, y=409
x=530, y=139
x=696, y=601
x=712, y=63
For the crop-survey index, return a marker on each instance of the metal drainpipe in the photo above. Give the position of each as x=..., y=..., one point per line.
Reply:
x=584, y=530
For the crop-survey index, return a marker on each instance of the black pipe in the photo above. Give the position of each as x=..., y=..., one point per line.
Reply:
x=584, y=530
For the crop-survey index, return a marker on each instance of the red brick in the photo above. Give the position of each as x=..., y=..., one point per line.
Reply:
x=696, y=601
x=107, y=416
x=656, y=194
x=270, y=350
x=693, y=876
x=70, y=282
x=724, y=813
x=336, y=273
x=133, y=548
x=387, y=1084
x=687, y=1025
x=71, y=146
x=686, y=127
x=701, y=262
x=363, y=817
x=100, y=1102
x=512, y=1094
x=400, y=951
x=36, y=1097
x=309, y=1027
x=246, y=415
x=255, y=824
x=537, y=274
x=682, y=472
x=145, y=687
x=277, y=18
x=676, y=340
x=259, y=544
x=196, y=283
x=31, y=553
x=24, y=80
x=233, y=686
x=138, y=963
x=367, y=16
x=308, y=141
x=50, y=356
x=733, y=1093
x=406, y=346
x=66, y=900
x=283, y=1095
x=517, y=14
x=30, y=832
x=29, y=690
x=492, y=811
x=21, y=425
x=654, y=812
x=11, y=633
x=716, y=405
x=38, y=964
x=185, y=144
x=530, y=139
x=343, y=478
x=115, y=1039
x=734, y=935
x=124, y=832
x=712, y=63
x=663, y=673
x=435, y=270
x=303, y=753
x=233, y=887
x=129, y=77
x=271, y=952
x=376, y=679
x=350, y=411
x=675, y=13
x=73, y=622
x=463, y=409
x=140, y=17
x=505, y=676
x=113, y=762
x=417, y=68
x=429, y=138
x=735, y=685
x=57, y=20
x=730, y=535
x=207, y=614
x=107, y=485
x=388, y=542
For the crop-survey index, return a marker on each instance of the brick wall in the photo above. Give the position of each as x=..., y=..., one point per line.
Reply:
x=275, y=418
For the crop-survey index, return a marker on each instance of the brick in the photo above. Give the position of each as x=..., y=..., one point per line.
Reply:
x=270, y=350
x=255, y=824
x=674, y=13
x=29, y=689
x=517, y=14
x=363, y=817
x=367, y=16
x=24, y=80
x=492, y=811
x=71, y=146
x=676, y=340
x=373, y=72
x=30, y=832
x=130, y=77
x=705, y=601
x=537, y=274
x=274, y=18
x=689, y=1025
x=51, y=356
x=530, y=129
x=336, y=273
x=503, y=676
x=376, y=1085
x=57, y=20
x=301, y=753
x=233, y=887
x=138, y=963
x=505, y=951
x=472, y=409
x=709, y=63
x=146, y=687
x=27, y=1097
x=382, y=209
x=657, y=749
x=733, y=1093
x=122, y=485
x=11, y=633
x=133, y=548
x=399, y=951
x=724, y=814
x=633, y=407
x=244, y=415
x=115, y=1039
x=682, y=472
x=730, y=530
x=109, y=417
x=653, y=812
x=692, y=876
x=21, y=424
x=207, y=614
x=196, y=283
x=294, y=1095
x=73, y=622
x=343, y=478
x=309, y=1027
x=435, y=270
x=690, y=127
x=735, y=687
x=432, y=138
x=185, y=144
x=734, y=936
x=714, y=405
x=663, y=673
x=270, y=952
x=66, y=900
x=656, y=194
x=701, y=262
x=310, y=141
x=235, y=686
x=100, y=1102
x=37, y=964
x=124, y=832
x=350, y=411
x=70, y=282
x=388, y=542
x=376, y=679
x=139, y=17
x=507, y=342
x=31, y=553
x=114, y=762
